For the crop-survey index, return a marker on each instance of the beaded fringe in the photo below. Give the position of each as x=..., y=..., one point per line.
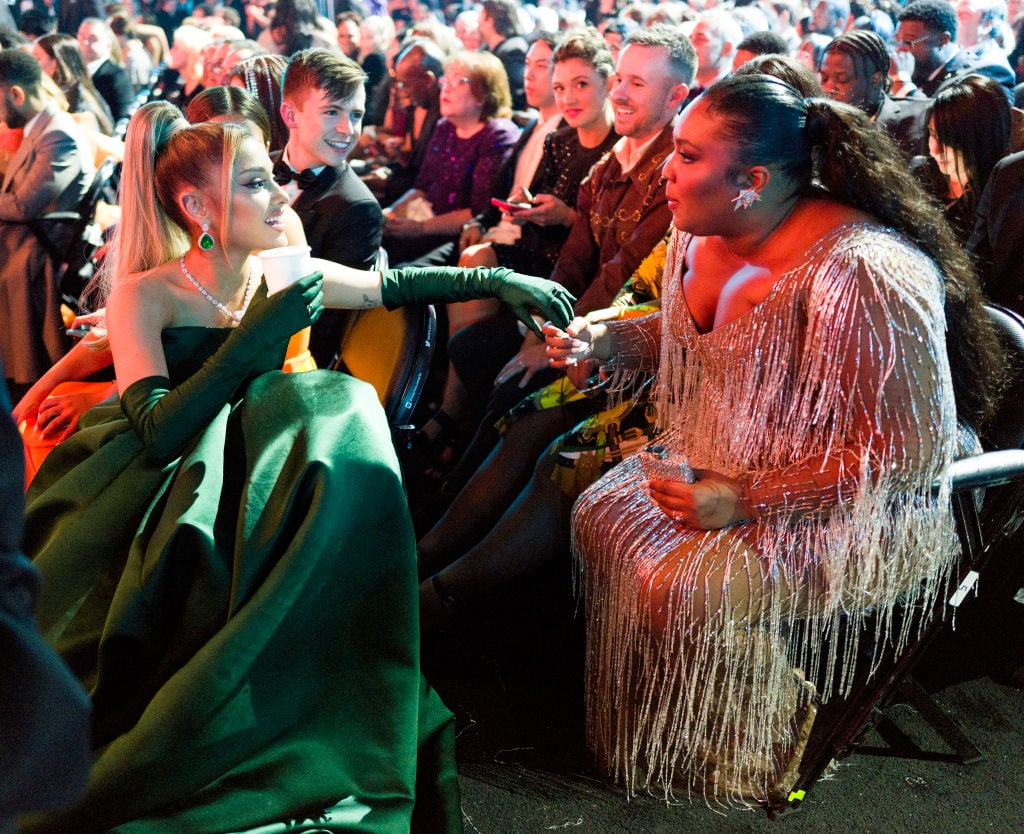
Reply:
x=699, y=641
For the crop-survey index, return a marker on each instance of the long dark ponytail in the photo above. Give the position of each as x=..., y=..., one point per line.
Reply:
x=825, y=145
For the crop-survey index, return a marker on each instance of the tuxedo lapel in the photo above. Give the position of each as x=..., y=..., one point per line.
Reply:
x=305, y=203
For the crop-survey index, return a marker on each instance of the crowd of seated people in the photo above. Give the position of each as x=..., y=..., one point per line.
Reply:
x=493, y=136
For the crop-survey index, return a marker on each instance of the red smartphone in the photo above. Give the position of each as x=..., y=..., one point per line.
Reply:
x=510, y=208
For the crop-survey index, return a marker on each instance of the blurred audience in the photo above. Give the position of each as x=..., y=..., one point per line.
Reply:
x=61, y=58
x=375, y=36
x=221, y=58
x=829, y=17
x=109, y=78
x=417, y=89
x=759, y=43
x=467, y=149
x=138, y=62
x=347, y=25
x=296, y=25
x=501, y=34
x=49, y=172
x=715, y=38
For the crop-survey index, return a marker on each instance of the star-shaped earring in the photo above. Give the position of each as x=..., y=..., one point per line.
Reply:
x=745, y=198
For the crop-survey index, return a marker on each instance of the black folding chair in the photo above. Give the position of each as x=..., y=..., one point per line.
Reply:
x=988, y=507
x=82, y=239
x=392, y=351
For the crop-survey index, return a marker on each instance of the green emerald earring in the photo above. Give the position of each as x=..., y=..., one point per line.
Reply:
x=206, y=239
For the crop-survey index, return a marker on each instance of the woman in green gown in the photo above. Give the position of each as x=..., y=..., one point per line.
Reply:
x=226, y=554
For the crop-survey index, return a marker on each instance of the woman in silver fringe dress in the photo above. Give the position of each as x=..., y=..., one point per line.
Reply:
x=805, y=374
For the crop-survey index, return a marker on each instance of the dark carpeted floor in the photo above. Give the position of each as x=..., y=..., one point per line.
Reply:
x=510, y=669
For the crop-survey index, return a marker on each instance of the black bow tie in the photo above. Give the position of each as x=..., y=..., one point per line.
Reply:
x=283, y=175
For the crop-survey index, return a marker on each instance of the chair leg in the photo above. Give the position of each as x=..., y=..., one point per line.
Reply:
x=951, y=733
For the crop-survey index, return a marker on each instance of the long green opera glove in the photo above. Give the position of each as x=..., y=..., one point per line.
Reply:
x=167, y=419
x=522, y=293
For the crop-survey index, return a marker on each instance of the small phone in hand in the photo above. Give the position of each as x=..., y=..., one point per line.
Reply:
x=659, y=464
x=510, y=207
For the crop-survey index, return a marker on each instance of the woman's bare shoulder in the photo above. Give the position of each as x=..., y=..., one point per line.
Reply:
x=148, y=293
x=819, y=215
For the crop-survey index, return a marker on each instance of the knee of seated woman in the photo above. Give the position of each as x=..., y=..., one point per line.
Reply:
x=480, y=254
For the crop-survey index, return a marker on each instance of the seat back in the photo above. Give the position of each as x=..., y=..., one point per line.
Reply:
x=1006, y=429
x=992, y=480
x=74, y=260
x=392, y=351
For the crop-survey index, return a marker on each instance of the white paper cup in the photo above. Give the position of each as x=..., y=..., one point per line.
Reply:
x=285, y=265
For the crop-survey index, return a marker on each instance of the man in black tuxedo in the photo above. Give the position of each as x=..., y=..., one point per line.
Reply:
x=111, y=80
x=927, y=31
x=323, y=101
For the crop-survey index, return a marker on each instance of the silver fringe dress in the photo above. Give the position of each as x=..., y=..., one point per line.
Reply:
x=832, y=401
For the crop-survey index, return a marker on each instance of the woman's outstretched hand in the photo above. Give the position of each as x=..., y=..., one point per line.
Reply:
x=524, y=293
x=571, y=345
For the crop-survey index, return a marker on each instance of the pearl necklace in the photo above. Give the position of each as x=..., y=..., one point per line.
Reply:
x=236, y=316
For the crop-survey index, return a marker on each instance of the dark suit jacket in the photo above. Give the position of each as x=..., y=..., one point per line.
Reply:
x=512, y=54
x=998, y=238
x=989, y=63
x=112, y=82
x=378, y=88
x=342, y=219
x=906, y=121
x=343, y=223
x=71, y=13
x=44, y=712
x=404, y=175
x=503, y=184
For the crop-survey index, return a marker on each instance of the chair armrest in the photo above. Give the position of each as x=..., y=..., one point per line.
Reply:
x=987, y=469
x=63, y=216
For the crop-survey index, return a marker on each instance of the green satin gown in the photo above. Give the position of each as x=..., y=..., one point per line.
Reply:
x=244, y=617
